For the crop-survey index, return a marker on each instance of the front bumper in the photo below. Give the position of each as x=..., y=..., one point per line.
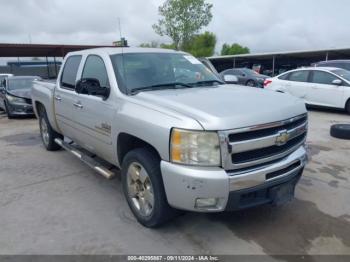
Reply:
x=20, y=109
x=184, y=184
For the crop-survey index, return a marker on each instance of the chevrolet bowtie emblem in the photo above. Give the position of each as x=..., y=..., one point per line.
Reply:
x=282, y=138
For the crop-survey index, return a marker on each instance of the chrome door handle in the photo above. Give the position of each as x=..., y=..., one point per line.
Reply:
x=58, y=98
x=78, y=105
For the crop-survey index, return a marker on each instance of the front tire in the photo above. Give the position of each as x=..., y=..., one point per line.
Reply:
x=143, y=188
x=347, y=107
x=48, y=135
x=8, y=112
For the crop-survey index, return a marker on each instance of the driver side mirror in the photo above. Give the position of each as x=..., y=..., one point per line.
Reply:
x=337, y=82
x=231, y=79
x=92, y=87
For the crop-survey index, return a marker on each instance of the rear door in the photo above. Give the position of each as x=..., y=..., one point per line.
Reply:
x=95, y=114
x=297, y=84
x=65, y=97
x=323, y=92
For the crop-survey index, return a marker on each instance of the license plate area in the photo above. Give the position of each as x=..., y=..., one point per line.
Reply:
x=282, y=194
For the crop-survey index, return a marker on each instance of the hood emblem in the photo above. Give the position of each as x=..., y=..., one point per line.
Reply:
x=282, y=138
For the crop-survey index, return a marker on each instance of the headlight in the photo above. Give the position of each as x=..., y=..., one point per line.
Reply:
x=15, y=100
x=195, y=148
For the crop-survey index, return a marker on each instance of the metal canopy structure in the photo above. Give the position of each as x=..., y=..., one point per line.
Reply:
x=41, y=50
x=275, y=62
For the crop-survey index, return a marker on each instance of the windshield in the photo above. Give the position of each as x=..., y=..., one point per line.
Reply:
x=17, y=84
x=342, y=73
x=141, y=70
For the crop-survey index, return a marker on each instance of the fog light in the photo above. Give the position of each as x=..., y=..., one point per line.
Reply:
x=206, y=202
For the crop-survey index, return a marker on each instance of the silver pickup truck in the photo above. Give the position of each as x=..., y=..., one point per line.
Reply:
x=181, y=138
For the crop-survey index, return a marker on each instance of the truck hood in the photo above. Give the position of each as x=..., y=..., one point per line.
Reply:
x=227, y=106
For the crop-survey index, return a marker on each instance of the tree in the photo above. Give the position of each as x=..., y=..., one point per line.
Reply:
x=234, y=49
x=153, y=44
x=167, y=46
x=182, y=19
x=201, y=45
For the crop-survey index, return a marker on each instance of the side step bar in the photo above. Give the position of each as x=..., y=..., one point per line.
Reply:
x=91, y=162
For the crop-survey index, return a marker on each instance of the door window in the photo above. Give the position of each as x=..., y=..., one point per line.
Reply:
x=320, y=77
x=95, y=68
x=70, y=70
x=284, y=77
x=299, y=76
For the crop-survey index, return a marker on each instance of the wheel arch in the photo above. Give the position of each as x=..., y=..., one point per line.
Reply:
x=127, y=142
x=38, y=108
x=347, y=105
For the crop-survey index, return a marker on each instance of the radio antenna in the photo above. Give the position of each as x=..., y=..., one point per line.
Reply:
x=122, y=45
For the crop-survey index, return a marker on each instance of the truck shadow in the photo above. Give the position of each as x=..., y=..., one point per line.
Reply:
x=290, y=229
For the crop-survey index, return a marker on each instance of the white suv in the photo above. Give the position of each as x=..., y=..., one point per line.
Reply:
x=320, y=86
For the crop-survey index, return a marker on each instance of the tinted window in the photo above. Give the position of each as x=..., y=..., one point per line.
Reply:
x=229, y=72
x=320, y=77
x=235, y=72
x=284, y=77
x=95, y=68
x=345, y=66
x=70, y=71
x=299, y=76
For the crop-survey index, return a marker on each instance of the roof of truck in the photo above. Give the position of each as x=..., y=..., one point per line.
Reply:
x=114, y=51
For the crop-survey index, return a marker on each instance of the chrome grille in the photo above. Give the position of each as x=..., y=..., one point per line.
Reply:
x=253, y=147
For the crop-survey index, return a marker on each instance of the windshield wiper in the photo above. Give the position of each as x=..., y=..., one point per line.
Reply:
x=174, y=85
x=208, y=82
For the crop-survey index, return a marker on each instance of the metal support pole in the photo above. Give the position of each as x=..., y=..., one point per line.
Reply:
x=327, y=56
x=234, y=62
x=48, y=69
x=54, y=59
x=273, y=65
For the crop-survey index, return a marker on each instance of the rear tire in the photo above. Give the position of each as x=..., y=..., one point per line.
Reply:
x=341, y=131
x=48, y=135
x=251, y=83
x=143, y=188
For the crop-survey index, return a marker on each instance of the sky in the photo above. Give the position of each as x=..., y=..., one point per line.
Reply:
x=262, y=25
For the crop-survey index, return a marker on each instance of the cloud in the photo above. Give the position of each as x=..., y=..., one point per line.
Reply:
x=262, y=25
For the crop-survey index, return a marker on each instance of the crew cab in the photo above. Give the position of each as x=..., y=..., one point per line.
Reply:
x=181, y=138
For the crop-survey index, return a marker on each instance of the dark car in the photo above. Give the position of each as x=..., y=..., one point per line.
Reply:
x=15, y=95
x=343, y=64
x=245, y=76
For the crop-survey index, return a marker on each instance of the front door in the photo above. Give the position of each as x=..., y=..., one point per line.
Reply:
x=323, y=92
x=94, y=113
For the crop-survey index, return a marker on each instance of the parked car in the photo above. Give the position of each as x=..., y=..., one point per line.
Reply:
x=319, y=86
x=182, y=140
x=245, y=76
x=344, y=64
x=15, y=95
